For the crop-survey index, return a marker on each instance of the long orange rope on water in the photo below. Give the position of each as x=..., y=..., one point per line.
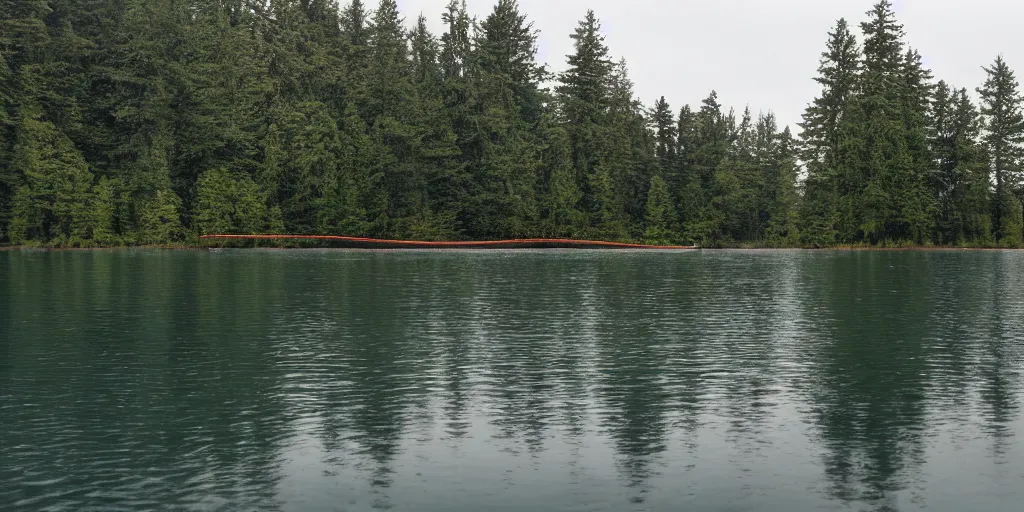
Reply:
x=417, y=243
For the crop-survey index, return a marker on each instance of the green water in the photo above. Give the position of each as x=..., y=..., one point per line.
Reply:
x=507, y=381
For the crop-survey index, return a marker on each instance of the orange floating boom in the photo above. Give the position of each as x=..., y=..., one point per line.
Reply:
x=449, y=245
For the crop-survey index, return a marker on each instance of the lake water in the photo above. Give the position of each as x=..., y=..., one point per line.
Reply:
x=511, y=381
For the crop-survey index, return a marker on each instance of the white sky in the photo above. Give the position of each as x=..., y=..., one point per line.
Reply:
x=763, y=53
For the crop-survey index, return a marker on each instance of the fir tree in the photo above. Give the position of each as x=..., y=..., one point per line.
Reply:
x=894, y=205
x=584, y=86
x=436, y=179
x=607, y=219
x=660, y=214
x=456, y=90
x=229, y=204
x=626, y=146
x=1004, y=136
x=354, y=24
x=101, y=213
x=561, y=205
x=506, y=51
x=960, y=180
x=52, y=205
x=503, y=146
x=837, y=74
x=388, y=85
x=664, y=125
x=455, y=42
x=711, y=141
x=583, y=95
x=684, y=180
x=23, y=39
x=710, y=146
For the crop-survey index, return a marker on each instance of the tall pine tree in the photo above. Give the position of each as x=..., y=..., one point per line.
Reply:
x=824, y=186
x=1004, y=137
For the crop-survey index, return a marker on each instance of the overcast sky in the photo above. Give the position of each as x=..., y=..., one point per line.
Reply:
x=763, y=53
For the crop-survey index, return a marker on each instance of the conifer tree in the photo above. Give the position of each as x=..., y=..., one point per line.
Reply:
x=711, y=144
x=583, y=94
x=457, y=91
x=561, y=204
x=503, y=149
x=214, y=125
x=101, y=213
x=824, y=185
x=506, y=51
x=229, y=204
x=607, y=219
x=627, y=146
x=23, y=36
x=710, y=147
x=683, y=180
x=301, y=167
x=747, y=209
x=53, y=203
x=660, y=215
x=1001, y=108
x=777, y=161
x=455, y=42
x=354, y=24
x=154, y=213
x=888, y=168
x=388, y=83
x=433, y=174
x=837, y=75
x=424, y=53
x=960, y=180
x=359, y=202
x=664, y=125
x=354, y=20
x=585, y=85
x=407, y=118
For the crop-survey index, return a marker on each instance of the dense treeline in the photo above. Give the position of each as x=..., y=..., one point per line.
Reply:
x=154, y=121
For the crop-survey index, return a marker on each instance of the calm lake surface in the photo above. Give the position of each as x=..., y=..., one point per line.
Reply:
x=508, y=381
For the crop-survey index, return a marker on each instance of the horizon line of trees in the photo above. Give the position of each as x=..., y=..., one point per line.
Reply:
x=130, y=122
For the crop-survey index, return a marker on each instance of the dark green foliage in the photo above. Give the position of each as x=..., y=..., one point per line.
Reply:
x=1001, y=108
x=583, y=97
x=155, y=121
x=229, y=204
x=499, y=125
x=101, y=213
x=886, y=171
x=660, y=216
x=561, y=203
x=827, y=184
x=663, y=124
x=313, y=172
x=890, y=157
x=54, y=200
x=607, y=216
x=960, y=181
x=585, y=85
x=840, y=65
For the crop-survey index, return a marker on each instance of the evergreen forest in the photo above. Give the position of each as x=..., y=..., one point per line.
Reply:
x=151, y=122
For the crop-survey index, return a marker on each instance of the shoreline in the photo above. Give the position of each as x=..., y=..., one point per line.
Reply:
x=477, y=247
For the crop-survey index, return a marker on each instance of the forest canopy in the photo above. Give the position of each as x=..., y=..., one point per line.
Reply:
x=135, y=122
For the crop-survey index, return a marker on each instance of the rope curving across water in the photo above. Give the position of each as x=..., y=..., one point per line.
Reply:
x=498, y=244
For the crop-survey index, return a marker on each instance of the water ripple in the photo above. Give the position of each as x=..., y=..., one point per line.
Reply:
x=557, y=380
